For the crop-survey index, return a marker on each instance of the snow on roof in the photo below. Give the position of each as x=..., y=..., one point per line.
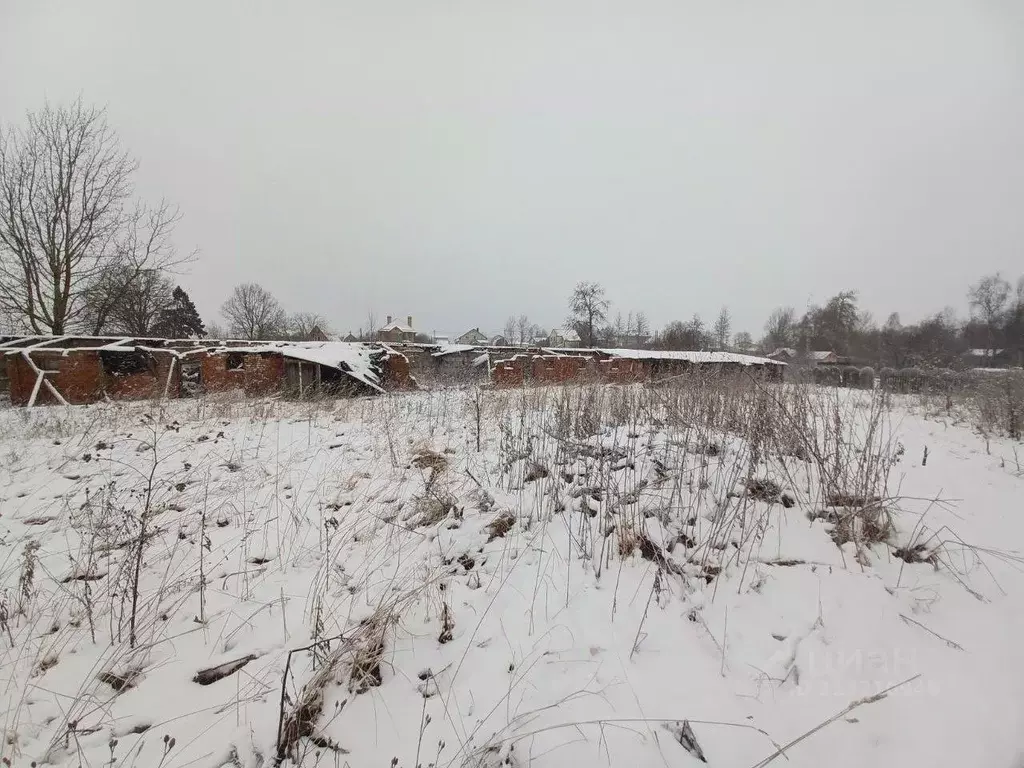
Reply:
x=985, y=352
x=398, y=327
x=566, y=333
x=452, y=349
x=822, y=355
x=74, y=343
x=690, y=356
x=352, y=358
x=564, y=351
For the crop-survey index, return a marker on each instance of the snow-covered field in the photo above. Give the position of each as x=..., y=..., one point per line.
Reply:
x=584, y=575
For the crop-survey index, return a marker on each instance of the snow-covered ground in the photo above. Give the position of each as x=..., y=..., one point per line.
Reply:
x=561, y=576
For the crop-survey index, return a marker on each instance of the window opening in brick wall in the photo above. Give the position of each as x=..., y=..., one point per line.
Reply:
x=127, y=363
x=235, y=362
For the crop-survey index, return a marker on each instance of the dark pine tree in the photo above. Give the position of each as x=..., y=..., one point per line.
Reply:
x=180, y=320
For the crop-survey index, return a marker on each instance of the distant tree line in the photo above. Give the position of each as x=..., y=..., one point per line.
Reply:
x=995, y=326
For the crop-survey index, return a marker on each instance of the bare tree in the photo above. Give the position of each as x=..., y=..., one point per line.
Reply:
x=780, y=330
x=303, y=325
x=988, y=298
x=641, y=329
x=370, y=333
x=1015, y=322
x=699, y=333
x=252, y=312
x=510, y=330
x=526, y=330
x=683, y=336
x=143, y=296
x=9, y=322
x=628, y=334
x=589, y=308
x=67, y=216
x=617, y=331
x=144, y=251
x=722, y=329
x=743, y=341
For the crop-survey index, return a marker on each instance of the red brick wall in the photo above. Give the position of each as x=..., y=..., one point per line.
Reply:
x=142, y=386
x=557, y=370
x=264, y=374
x=216, y=377
x=511, y=373
x=82, y=379
x=22, y=379
x=260, y=375
x=79, y=377
x=397, y=373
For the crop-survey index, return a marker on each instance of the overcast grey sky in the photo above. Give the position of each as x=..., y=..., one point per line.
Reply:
x=461, y=161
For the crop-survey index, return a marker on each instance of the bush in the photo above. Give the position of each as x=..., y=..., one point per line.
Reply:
x=997, y=401
x=910, y=380
x=887, y=379
x=828, y=375
x=867, y=377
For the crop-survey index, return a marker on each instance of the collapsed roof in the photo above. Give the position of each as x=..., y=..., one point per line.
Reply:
x=357, y=360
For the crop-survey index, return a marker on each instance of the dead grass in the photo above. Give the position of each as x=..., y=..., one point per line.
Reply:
x=619, y=469
x=427, y=459
x=500, y=526
x=764, y=489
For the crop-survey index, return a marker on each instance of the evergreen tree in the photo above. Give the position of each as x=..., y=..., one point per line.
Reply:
x=180, y=320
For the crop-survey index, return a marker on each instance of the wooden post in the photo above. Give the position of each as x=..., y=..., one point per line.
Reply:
x=170, y=375
x=40, y=380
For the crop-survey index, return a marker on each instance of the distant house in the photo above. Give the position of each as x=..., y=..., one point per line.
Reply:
x=442, y=339
x=350, y=337
x=498, y=341
x=316, y=334
x=986, y=358
x=396, y=332
x=783, y=355
x=472, y=336
x=561, y=338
